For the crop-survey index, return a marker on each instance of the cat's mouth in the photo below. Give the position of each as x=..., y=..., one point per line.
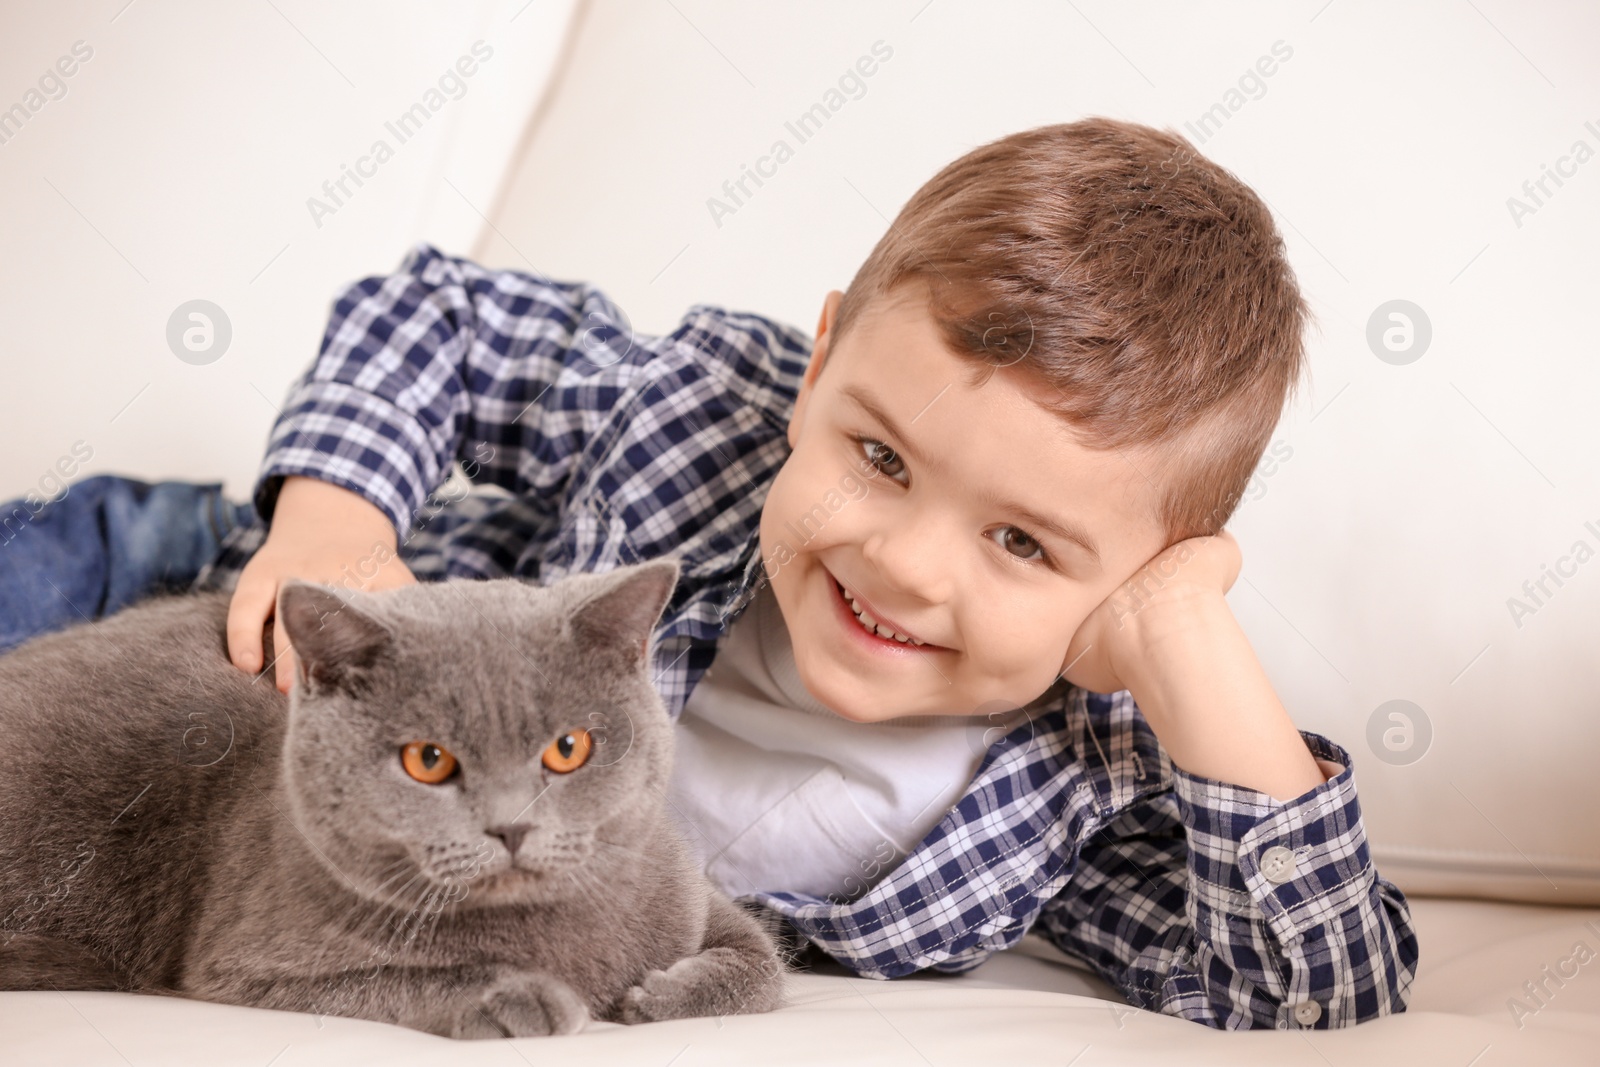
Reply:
x=509, y=882
x=516, y=885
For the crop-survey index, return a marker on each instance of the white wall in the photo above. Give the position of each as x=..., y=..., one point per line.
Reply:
x=178, y=165
x=1379, y=557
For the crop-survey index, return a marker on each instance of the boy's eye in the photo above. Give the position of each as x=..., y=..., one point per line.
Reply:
x=1021, y=545
x=1013, y=538
x=881, y=456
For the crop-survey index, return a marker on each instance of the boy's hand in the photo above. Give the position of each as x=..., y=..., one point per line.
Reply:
x=322, y=533
x=1111, y=635
x=1168, y=636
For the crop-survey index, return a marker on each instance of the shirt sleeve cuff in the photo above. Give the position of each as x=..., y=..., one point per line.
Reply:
x=1295, y=863
x=355, y=440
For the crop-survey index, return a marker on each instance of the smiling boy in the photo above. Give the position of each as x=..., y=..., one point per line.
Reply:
x=992, y=616
x=959, y=563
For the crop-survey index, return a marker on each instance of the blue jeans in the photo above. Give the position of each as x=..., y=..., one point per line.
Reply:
x=110, y=541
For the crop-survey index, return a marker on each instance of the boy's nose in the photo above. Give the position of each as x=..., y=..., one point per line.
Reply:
x=911, y=561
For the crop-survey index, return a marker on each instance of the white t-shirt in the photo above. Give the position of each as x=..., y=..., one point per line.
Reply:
x=774, y=791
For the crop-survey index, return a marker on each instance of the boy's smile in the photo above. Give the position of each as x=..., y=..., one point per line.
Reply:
x=964, y=517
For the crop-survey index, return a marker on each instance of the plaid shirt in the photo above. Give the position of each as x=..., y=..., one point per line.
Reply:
x=590, y=447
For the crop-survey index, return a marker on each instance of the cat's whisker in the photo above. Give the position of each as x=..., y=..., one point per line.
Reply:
x=366, y=914
x=585, y=878
x=431, y=929
x=435, y=921
x=398, y=867
x=385, y=913
x=424, y=893
x=427, y=910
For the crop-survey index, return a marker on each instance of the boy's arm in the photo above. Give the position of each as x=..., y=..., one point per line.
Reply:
x=441, y=360
x=1200, y=686
x=1222, y=905
x=1247, y=896
x=445, y=359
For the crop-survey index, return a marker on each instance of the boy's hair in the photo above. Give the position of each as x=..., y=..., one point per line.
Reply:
x=1142, y=287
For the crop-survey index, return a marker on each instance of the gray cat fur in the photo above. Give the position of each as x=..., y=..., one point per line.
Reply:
x=170, y=824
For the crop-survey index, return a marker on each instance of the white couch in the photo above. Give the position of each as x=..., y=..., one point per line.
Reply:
x=1374, y=570
x=1029, y=1005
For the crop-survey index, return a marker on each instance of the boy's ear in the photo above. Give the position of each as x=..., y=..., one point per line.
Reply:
x=334, y=642
x=819, y=355
x=830, y=309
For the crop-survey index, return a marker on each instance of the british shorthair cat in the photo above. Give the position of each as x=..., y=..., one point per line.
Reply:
x=455, y=821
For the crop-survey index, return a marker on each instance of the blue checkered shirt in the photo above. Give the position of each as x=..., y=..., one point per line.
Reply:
x=589, y=446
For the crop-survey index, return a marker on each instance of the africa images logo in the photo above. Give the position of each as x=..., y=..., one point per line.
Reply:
x=736, y=192
x=336, y=192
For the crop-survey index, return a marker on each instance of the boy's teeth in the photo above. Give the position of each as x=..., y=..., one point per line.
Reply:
x=873, y=625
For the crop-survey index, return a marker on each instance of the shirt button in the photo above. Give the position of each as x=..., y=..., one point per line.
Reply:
x=1277, y=864
x=1307, y=1013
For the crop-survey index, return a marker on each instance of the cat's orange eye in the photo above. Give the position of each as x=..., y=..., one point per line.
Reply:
x=568, y=752
x=427, y=762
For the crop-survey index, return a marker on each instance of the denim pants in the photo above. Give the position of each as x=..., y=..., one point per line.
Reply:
x=108, y=542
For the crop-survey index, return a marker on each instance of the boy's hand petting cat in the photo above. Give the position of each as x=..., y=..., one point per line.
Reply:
x=1151, y=602
x=322, y=533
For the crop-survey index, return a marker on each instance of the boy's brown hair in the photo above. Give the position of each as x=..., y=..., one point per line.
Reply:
x=1143, y=288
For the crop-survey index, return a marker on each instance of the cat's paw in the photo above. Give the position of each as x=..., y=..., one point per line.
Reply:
x=716, y=982
x=656, y=998
x=523, y=1004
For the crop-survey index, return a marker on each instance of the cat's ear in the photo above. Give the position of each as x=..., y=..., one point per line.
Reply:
x=622, y=613
x=334, y=641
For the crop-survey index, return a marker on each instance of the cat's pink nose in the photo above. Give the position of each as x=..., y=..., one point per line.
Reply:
x=511, y=833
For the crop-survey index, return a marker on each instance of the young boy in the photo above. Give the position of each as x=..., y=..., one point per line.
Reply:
x=959, y=563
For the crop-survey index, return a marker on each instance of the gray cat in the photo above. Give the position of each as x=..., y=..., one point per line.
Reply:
x=455, y=821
